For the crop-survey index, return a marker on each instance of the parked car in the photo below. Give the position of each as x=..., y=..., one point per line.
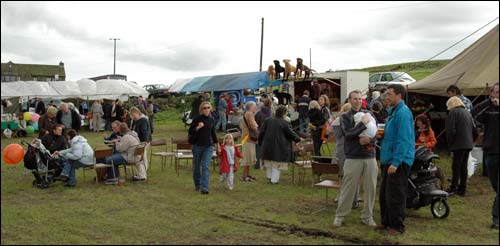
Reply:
x=384, y=79
x=156, y=90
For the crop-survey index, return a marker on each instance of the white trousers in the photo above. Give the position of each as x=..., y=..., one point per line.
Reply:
x=273, y=174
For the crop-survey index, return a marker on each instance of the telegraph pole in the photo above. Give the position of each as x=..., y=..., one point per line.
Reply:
x=114, y=55
x=261, y=43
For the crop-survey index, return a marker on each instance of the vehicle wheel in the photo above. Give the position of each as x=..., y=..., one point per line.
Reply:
x=440, y=208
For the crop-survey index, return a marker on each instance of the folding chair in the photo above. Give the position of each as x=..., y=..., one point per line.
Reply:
x=182, y=152
x=325, y=165
x=138, y=151
x=163, y=154
x=306, y=155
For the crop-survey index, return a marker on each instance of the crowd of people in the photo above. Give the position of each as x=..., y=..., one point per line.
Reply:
x=268, y=137
x=59, y=127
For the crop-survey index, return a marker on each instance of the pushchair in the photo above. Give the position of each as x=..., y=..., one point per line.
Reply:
x=425, y=184
x=42, y=165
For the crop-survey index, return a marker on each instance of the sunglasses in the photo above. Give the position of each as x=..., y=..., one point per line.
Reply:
x=206, y=107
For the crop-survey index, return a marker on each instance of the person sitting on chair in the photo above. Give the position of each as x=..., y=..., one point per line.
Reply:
x=124, y=152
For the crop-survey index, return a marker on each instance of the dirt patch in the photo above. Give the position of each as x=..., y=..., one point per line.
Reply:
x=303, y=232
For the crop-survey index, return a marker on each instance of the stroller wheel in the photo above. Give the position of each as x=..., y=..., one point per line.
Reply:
x=440, y=208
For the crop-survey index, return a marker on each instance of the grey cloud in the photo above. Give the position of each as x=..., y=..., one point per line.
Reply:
x=187, y=58
x=22, y=15
x=435, y=21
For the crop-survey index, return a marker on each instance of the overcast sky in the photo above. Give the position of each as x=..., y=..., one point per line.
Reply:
x=162, y=41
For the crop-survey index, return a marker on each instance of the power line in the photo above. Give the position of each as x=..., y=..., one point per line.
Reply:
x=448, y=48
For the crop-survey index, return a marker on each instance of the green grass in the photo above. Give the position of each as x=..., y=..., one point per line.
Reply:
x=166, y=210
x=418, y=70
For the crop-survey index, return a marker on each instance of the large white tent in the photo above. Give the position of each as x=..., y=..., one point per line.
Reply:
x=84, y=88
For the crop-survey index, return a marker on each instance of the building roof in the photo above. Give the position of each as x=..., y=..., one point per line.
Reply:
x=33, y=70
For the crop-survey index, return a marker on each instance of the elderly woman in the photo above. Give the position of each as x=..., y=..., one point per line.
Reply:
x=459, y=135
x=47, y=121
x=97, y=113
x=249, y=154
x=275, y=137
x=124, y=152
x=202, y=136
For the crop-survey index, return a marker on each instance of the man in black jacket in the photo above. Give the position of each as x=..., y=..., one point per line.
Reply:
x=68, y=117
x=55, y=141
x=106, y=108
x=487, y=113
x=40, y=107
x=360, y=161
x=303, y=106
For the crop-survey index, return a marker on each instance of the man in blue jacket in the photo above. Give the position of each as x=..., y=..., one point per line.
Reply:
x=396, y=158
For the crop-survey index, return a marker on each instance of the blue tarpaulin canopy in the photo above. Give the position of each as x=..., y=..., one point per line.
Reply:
x=226, y=82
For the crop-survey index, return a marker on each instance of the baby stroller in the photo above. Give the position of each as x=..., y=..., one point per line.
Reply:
x=42, y=165
x=425, y=184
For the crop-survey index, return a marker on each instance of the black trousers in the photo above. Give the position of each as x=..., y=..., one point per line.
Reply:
x=459, y=170
x=317, y=141
x=393, y=191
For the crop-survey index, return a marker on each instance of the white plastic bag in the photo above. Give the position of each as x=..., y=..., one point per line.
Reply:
x=471, y=165
x=7, y=132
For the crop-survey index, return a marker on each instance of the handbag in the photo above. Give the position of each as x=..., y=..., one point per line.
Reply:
x=253, y=134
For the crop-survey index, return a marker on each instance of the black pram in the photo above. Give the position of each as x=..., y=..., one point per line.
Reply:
x=42, y=165
x=425, y=183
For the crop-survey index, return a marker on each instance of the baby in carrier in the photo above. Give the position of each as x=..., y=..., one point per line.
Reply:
x=371, y=128
x=44, y=168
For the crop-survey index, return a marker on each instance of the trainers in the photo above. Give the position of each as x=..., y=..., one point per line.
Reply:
x=252, y=178
x=135, y=178
x=111, y=181
x=337, y=222
x=248, y=179
x=204, y=192
x=63, y=177
x=230, y=187
x=370, y=223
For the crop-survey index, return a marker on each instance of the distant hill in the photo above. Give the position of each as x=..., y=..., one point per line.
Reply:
x=419, y=69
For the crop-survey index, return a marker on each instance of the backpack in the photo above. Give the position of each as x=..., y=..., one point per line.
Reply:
x=30, y=158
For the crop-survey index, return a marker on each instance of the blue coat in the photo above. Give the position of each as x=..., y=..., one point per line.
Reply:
x=398, y=145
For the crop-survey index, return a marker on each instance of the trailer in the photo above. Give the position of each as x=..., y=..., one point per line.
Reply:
x=336, y=85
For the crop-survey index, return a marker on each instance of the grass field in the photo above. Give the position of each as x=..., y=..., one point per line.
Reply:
x=167, y=210
x=418, y=70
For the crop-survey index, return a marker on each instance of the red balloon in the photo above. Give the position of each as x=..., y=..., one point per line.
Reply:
x=13, y=154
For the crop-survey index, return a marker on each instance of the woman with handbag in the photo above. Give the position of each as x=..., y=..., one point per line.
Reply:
x=249, y=129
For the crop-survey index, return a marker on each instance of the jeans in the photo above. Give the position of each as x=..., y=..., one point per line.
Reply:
x=69, y=170
x=117, y=159
x=202, y=155
x=107, y=126
x=222, y=121
x=258, y=154
x=393, y=191
x=304, y=125
x=492, y=164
